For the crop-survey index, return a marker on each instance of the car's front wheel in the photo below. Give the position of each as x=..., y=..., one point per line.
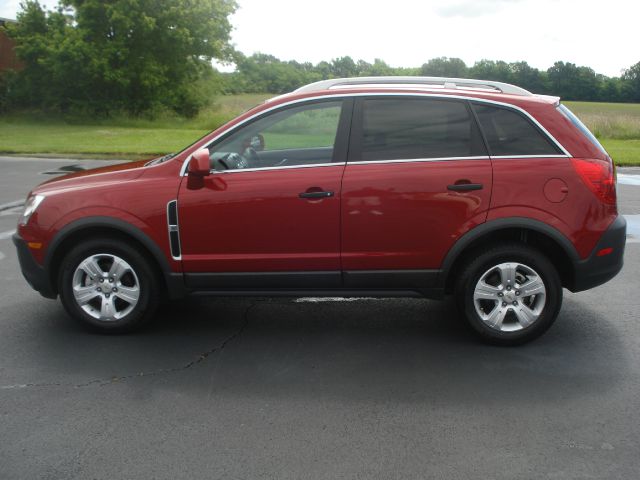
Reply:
x=108, y=285
x=510, y=294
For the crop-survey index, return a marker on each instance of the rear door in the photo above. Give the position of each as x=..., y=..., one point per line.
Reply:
x=418, y=177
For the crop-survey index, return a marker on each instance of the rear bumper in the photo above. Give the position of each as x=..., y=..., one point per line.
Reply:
x=596, y=270
x=33, y=273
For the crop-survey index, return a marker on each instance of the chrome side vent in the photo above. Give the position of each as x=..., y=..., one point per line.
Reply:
x=174, y=229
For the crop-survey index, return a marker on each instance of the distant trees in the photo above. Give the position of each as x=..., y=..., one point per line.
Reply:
x=631, y=77
x=132, y=55
x=140, y=56
x=266, y=73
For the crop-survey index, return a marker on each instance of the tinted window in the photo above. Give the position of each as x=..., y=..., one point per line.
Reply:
x=407, y=128
x=582, y=127
x=301, y=135
x=510, y=133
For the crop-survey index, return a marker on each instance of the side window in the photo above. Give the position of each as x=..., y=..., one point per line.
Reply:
x=413, y=128
x=301, y=135
x=511, y=133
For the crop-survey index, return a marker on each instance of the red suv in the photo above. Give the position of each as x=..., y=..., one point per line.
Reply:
x=400, y=186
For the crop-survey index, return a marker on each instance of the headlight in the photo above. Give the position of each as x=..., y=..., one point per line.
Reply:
x=29, y=207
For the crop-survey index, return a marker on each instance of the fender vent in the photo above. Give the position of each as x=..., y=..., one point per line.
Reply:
x=174, y=230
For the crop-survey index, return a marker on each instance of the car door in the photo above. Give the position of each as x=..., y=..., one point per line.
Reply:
x=418, y=177
x=268, y=216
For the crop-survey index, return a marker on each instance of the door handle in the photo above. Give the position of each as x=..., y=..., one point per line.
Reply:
x=315, y=194
x=464, y=187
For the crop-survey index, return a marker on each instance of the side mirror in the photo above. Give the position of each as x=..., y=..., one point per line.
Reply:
x=200, y=165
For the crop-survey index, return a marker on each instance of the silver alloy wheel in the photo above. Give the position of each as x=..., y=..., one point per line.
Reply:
x=509, y=297
x=105, y=287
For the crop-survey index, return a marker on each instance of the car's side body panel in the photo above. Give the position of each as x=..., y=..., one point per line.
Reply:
x=402, y=216
x=252, y=221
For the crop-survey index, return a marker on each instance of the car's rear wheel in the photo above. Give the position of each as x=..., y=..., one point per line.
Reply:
x=510, y=294
x=108, y=285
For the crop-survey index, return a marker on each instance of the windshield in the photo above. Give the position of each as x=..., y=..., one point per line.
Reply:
x=582, y=127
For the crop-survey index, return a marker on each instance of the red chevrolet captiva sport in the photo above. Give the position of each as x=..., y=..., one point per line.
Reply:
x=389, y=186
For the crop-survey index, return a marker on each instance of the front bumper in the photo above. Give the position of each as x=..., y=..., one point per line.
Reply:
x=596, y=270
x=33, y=273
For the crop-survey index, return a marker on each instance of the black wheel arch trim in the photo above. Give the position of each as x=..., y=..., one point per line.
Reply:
x=174, y=282
x=503, y=224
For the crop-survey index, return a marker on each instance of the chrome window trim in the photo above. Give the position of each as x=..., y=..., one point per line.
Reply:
x=503, y=157
x=237, y=126
x=420, y=160
x=284, y=167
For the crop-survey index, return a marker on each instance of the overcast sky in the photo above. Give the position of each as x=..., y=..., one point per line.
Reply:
x=600, y=34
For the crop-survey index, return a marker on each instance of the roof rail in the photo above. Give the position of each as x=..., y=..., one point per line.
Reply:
x=442, y=82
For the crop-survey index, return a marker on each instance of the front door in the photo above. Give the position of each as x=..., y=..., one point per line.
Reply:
x=269, y=214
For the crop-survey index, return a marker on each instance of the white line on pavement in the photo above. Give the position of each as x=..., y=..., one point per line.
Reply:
x=331, y=299
x=626, y=179
x=5, y=235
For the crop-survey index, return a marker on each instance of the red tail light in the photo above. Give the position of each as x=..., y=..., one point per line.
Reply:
x=599, y=176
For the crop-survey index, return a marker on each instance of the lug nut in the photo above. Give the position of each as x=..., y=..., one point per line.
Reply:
x=504, y=304
x=99, y=289
x=511, y=309
x=102, y=280
x=501, y=294
x=115, y=289
x=517, y=292
x=111, y=280
x=515, y=303
x=106, y=295
x=508, y=287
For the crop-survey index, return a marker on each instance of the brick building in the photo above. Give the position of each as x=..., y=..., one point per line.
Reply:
x=8, y=59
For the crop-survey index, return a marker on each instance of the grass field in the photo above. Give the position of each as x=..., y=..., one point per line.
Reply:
x=616, y=125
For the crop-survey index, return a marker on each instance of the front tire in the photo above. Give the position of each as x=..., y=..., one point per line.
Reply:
x=510, y=294
x=108, y=285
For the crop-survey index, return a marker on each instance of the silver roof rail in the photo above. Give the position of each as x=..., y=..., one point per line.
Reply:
x=409, y=82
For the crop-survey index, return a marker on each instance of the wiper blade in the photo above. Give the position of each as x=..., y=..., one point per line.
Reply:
x=162, y=159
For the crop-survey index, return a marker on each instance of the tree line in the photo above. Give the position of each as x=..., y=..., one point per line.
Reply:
x=266, y=73
x=102, y=57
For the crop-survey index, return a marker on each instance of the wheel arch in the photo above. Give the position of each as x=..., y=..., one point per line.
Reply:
x=100, y=226
x=552, y=243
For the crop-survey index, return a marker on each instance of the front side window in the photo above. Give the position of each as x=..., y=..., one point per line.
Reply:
x=510, y=133
x=300, y=135
x=415, y=128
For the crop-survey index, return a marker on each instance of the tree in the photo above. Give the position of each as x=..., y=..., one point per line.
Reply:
x=631, y=79
x=444, y=67
x=133, y=55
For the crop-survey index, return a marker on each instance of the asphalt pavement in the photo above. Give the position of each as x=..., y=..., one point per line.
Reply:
x=260, y=388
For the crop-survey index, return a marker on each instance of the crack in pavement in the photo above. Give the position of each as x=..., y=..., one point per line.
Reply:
x=153, y=373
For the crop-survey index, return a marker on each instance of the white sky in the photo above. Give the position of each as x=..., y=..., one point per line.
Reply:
x=600, y=34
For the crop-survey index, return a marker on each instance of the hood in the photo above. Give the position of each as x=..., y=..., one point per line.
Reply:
x=119, y=172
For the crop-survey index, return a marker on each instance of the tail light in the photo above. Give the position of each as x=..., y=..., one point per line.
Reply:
x=599, y=176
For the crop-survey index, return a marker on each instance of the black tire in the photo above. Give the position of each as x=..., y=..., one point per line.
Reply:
x=548, y=306
x=144, y=276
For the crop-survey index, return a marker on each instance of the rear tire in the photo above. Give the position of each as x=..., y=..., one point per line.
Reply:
x=108, y=286
x=510, y=294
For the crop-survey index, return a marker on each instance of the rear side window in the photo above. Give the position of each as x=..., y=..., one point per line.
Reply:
x=510, y=133
x=582, y=127
x=410, y=128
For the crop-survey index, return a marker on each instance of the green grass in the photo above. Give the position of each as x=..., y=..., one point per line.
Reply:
x=624, y=152
x=620, y=121
x=29, y=133
x=616, y=125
